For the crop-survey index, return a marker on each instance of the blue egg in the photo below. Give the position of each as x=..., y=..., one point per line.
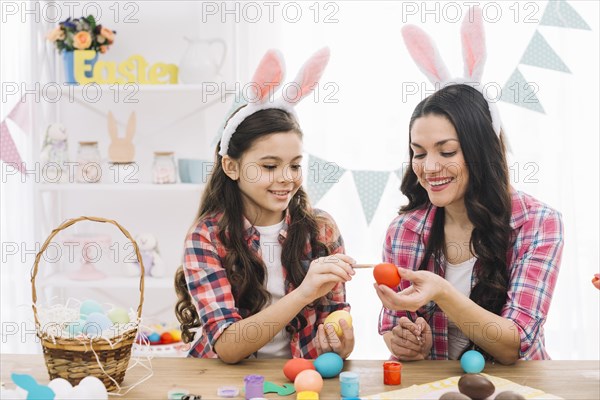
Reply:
x=154, y=337
x=329, y=365
x=472, y=362
x=88, y=307
x=95, y=324
x=74, y=328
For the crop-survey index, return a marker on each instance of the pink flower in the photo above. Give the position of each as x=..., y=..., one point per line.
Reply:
x=103, y=49
x=56, y=34
x=82, y=40
x=108, y=34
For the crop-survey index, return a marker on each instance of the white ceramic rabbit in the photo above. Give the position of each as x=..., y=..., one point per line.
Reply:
x=56, y=151
x=121, y=150
x=153, y=263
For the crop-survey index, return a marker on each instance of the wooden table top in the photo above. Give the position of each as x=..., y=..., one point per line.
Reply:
x=567, y=379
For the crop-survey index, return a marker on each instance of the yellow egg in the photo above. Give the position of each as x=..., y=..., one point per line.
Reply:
x=334, y=319
x=176, y=334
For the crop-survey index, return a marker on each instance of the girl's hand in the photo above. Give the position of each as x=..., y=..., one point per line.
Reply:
x=328, y=340
x=426, y=286
x=323, y=274
x=411, y=341
x=596, y=281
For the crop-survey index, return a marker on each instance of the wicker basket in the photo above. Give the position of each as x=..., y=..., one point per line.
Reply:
x=73, y=359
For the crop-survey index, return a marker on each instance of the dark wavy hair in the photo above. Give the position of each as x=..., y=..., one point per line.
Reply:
x=487, y=198
x=245, y=270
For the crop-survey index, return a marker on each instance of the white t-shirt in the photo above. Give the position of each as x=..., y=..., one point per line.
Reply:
x=279, y=346
x=459, y=276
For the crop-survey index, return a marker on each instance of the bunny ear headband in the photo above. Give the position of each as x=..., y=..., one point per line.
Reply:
x=426, y=56
x=267, y=78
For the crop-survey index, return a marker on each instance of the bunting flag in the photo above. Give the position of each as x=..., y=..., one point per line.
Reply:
x=540, y=54
x=20, y=115
x=559, y=13
x=370, y=186
x=8, y=150
x=519, y=92
x=321, y=177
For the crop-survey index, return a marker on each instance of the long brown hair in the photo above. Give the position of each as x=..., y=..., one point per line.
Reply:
x=487, y=197
x=245, y=270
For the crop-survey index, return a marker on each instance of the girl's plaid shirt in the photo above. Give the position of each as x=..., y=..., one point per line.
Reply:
x=533, y=264
x=212, y=293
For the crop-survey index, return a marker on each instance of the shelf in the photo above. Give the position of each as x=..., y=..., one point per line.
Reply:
x=86, y=187
x=125, y=88
x=62, y=280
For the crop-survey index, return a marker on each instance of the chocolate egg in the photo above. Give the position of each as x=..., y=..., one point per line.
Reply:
x=454, y=396
x=475, y=386
x=509, y=395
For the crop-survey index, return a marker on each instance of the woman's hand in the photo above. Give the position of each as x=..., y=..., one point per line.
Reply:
x=329, y=341
x=426, y=286
x=323, y=274
x=410, y=341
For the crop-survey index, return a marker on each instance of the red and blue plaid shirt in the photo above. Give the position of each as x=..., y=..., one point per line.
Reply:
x=212, y=293
x=533, y=264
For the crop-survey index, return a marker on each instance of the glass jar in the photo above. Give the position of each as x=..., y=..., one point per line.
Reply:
x=164, y=169
x=88, y=169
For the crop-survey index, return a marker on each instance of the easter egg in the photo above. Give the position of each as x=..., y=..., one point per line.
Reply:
x=154, y=338
x=454, y=396
x=386, y=274
x=329, y=365
x=74, y=328
x=308, y=380
x=472, y=362
x=118, y=316
x=176, y=335
x=95, y=324
x=88, y=307
x=61, y=387
x=475, y=386
x=509, y=395
x=334, y=319
x=166, y=338
x=293, y=367
x=94, y=387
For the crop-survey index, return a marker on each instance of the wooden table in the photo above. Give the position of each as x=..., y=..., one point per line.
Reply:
x=568, y=379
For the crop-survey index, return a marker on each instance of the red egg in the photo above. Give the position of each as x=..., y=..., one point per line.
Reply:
x=386, y=274
x=166, y=338
x=293, y=367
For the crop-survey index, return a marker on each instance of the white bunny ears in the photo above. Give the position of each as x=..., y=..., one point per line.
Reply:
x=267, y=78
x=425, y=54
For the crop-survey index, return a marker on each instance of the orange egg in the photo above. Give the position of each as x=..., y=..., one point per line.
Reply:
x=296, y=365
x=386, y=274
x=308, y=380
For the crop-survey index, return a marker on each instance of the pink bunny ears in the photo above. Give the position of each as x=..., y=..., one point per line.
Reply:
x=268, y=77
x=426, y=56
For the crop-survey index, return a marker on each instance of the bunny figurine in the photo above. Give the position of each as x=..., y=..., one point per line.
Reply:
x=55, y=151
x=121, y=150
x=153, y=263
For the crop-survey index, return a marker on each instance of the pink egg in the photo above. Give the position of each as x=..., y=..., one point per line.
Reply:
x=308, y=380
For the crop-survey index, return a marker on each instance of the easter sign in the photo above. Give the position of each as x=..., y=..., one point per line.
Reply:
x=133, y=70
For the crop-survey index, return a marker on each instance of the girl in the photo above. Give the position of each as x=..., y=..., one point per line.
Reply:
x=480, y=259
x=262, y=270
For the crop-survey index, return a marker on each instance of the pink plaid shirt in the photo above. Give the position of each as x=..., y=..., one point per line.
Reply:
x=211, y=290
x=533, y=264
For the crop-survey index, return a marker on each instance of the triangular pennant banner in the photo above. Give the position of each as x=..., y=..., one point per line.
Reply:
x=560, y=13
x=540, y=54
x=519, y=92
x=322, y=175
x=8, y=150
x=20, y=115
x=370, y=186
